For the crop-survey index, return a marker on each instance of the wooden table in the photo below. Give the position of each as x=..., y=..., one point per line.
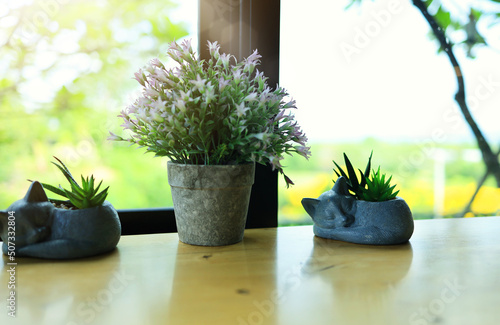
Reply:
x=449, y=273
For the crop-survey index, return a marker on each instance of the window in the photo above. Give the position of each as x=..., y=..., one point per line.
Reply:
x=67, y=71
x=369, y=77
x=240, y=27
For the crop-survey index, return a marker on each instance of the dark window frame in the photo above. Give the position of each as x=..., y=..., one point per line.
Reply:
x=240, y=26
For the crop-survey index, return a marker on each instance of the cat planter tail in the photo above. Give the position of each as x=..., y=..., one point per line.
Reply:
x=41, y=230
x=338, y=215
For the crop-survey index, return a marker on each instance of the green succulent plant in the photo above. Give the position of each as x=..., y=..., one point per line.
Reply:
x=373, y=188
x=378, y=188
x=82, y=197
x=353, y=184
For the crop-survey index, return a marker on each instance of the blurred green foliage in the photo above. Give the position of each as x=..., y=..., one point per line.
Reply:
x=65, y=73
x=414, y=168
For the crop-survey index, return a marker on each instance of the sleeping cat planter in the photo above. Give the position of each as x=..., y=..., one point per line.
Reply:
x=44, y=231
x=340, y=216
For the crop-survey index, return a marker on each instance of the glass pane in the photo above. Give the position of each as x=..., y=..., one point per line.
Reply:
x=66, y=72
x=370, y=78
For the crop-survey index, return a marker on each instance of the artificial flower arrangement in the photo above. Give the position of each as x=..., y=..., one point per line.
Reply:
x=212, y=112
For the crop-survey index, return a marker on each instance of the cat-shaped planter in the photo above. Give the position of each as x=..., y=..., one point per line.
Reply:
x=41, y=230
x=338, y=215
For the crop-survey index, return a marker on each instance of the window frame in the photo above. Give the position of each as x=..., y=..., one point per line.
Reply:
x=240, y=26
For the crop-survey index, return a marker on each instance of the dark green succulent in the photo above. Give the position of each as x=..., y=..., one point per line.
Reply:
x=375, y=188
x=353, y=184
x=378, y=189
x=81, y=197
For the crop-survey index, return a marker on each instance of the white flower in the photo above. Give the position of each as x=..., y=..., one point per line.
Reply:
x=149, y=68
x=130, y=110
x=161, y=75
x=158, y=104
x=251, y=97
x=143, y=102
x=114, y=137
x=303, y=151
x=254, y=57
x=180, y=105
x=185, y=96
x=291, y=104
x=251, y=62
x=237, y=75
x=224, y=59
x=156, y=116
x=280, y=115
x=213, y=48
x=186, y=46
x=142, y=115
x=209, y=95
x=124, y=114
x=173, y=46
x=151, y=92
x=128, y=125
x=223, y=83
x=140, y=77
x=241, y=109
x=275, y=162
x=157, y=63
x=198, y=83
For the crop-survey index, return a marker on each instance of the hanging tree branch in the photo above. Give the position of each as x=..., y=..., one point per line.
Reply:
x=489, y=158
x=468, y=207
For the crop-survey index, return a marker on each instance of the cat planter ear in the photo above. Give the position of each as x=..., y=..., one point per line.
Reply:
x=36, y=193
x=340, y=186
x=310, y=206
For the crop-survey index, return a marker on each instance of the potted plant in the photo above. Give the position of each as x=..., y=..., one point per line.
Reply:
x=214, y=119
x=84, y=225
x=364, y=211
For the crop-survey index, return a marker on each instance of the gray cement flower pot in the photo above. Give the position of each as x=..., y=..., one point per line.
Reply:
x=210, y=202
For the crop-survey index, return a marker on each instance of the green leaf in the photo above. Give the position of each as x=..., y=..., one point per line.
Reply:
x=99, y=198
x=94, y=191
x=77, y=202
x=352, y=174
x=54, y=189
x=340, y=170
x=56, y=201
x=362, y=184
x=368, y=165
x=443, y=18
x=64, y=170
x=77, y=190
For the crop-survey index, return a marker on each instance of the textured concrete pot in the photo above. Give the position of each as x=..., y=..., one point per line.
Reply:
x=210, y=202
